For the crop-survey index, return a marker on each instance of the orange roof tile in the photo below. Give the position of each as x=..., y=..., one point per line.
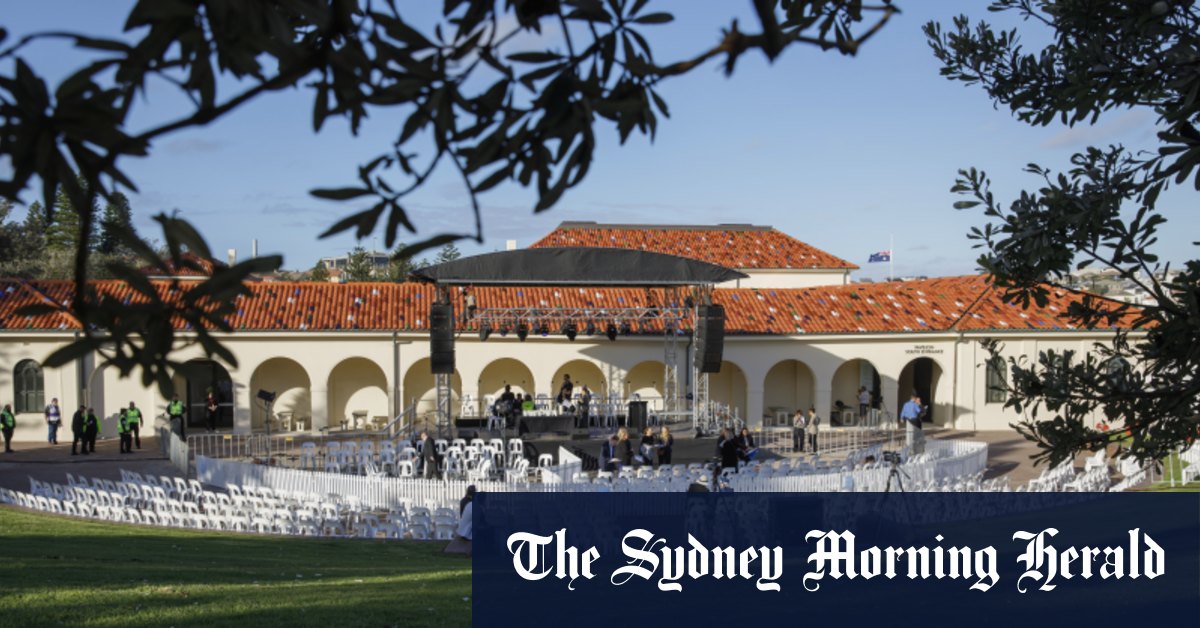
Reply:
x=945, y=304
x=732, y=246
x=205, y=268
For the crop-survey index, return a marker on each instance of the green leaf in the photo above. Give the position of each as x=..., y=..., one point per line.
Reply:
x=654, y=18
x=340, y=194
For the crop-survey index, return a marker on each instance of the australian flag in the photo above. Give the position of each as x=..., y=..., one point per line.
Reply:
x=882, y=256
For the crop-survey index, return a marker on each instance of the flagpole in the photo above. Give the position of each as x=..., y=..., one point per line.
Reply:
x=891, y=254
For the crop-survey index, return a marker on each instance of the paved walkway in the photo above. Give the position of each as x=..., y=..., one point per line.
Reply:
x=1008, y=455
x=52, y=463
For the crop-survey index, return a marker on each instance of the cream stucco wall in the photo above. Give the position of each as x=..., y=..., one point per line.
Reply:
x=790, y=278
x=352, y=371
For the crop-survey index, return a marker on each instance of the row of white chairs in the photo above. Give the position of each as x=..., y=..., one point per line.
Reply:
x=144, y=500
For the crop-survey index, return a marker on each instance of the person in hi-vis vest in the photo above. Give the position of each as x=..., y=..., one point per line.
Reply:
x=175, y=415
x=8, y=423
x=125, y=432
x=135, y=423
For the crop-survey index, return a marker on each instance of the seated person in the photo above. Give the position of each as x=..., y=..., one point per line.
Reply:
x=527, y=405
x=746, y=448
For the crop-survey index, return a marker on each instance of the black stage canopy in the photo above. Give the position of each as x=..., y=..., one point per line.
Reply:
x=577, y=266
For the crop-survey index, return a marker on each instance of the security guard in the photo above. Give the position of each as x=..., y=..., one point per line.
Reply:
x=91, y=428
x=8, y=423
x=125, y=432
x=175, y=414
x=135, y=423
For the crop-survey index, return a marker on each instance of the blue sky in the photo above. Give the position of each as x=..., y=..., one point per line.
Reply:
x=842, y=153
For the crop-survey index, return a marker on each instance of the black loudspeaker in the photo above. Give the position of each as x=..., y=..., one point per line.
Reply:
x=441, y=338
x=266, y=396
x=710, y=338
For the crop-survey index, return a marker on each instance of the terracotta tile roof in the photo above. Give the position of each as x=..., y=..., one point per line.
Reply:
x=732, y=246
x=945, y=304
x=18, y=294
x=205, y=268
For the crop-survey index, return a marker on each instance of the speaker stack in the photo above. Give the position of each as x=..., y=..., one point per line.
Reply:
x=710, y=338
x=441, y=338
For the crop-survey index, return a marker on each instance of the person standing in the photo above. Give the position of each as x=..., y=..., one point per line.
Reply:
x=53, y=420
x=565, y=391
x=77, y=430
x=864, y=402
x=125, y=432
x=135, y=423
x=914, y=435
x=210, y=411
x=814, y=426
x=798, y=425
x=666, y=443
x=91, y=428
x=8, y=423
x=728, y=446
x=429, y=457
x=175, y=415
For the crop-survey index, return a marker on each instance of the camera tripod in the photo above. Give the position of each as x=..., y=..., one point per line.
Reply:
x=895, y=474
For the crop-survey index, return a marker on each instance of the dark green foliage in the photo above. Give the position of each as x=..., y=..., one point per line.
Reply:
x=1100, y=212
x=117, y=218
x=359, y=267
x=447, y=253
x=318, y=273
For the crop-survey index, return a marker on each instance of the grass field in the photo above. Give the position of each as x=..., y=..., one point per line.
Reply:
x=64, y=571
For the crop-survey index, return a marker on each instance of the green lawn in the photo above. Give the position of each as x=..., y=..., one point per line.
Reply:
x=66, y=571
x=1172, y=468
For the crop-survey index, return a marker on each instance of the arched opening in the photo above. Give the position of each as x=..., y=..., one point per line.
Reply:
x=848, y=379
x=583, y=373
x=194, y=380
x=505, y=371
x=292, y=387
x=646, y=381
x=357, y=386
x=30, y=387
x=921, y=376
x=788, y=386
x=420, y=389
x=728, y=388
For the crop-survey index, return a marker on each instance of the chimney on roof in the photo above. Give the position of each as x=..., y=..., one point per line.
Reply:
x=510, y=245
x=232, y=257
x=254, y=248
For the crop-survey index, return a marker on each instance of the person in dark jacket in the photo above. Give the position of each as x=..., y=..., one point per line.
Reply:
x=78, y=432
x=666, y=443
x=466, y=499
x=746, y=446
x=728, y=446
x=625, y=446
x=8, y=423
x=91, y=429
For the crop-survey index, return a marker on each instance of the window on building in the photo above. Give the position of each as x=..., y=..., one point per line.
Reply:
x=997, y=380
x=30, y=386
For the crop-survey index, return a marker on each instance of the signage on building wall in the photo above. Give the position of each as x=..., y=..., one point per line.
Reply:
x=924, y=350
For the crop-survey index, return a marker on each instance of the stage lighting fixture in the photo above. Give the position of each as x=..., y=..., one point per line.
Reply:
x=611, y=331
x=544, y=330
x=570, y=330
x=522, y=331
x=485, y=330
x=591, y=328
x=504, y=330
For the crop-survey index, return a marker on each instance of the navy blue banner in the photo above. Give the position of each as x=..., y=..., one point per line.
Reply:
x=844, y=559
